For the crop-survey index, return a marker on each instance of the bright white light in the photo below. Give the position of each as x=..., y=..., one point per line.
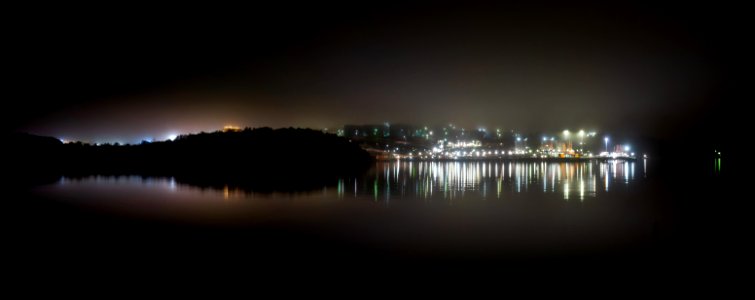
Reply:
x=172, y=136
x=566, y=132
x=605, y=139
x=626, y=148
x=581, y=133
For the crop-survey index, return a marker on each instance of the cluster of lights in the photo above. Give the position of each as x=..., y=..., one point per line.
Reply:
x=465, y=144
x=570, y=145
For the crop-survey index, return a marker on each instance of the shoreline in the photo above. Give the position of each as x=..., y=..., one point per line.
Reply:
x=522, y=159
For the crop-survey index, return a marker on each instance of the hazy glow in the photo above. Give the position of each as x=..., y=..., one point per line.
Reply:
x=500, y=68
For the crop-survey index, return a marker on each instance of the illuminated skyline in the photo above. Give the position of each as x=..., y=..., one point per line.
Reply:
x=635, y=70
x=375, y=137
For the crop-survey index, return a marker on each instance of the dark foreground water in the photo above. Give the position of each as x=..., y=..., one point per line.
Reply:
x=501, y=215
x=423, y=209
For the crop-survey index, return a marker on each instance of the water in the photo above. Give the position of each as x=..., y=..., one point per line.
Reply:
x=490, y=180
x=426, y=208
x=388, y=183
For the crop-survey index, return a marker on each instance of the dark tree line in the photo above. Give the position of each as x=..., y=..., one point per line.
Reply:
x=261, y=159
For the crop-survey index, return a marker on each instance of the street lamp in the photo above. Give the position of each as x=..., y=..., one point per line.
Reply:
x=566, y=137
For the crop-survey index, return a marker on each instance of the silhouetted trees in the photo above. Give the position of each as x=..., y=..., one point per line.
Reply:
x=261, y=159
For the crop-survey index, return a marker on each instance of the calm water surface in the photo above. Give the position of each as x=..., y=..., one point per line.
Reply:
x=388, y=181
x=469, y=206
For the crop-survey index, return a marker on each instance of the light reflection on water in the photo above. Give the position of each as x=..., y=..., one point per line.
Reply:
x=493, y=179
x=461, y=206
x=391, y=181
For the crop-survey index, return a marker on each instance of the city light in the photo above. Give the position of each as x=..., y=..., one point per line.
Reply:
x=231, y=128
x=455, y=145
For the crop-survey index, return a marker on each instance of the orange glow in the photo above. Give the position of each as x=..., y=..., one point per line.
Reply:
x=231, y=128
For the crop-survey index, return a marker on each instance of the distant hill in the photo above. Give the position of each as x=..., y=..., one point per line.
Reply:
x=261, y=159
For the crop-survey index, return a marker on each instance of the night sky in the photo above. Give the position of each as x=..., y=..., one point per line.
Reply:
x=125, y=74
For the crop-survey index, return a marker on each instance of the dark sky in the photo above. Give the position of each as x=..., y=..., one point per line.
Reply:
x=128, y=73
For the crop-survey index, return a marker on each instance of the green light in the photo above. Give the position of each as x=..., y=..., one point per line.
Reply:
x=718, y=165
x=340, y=188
